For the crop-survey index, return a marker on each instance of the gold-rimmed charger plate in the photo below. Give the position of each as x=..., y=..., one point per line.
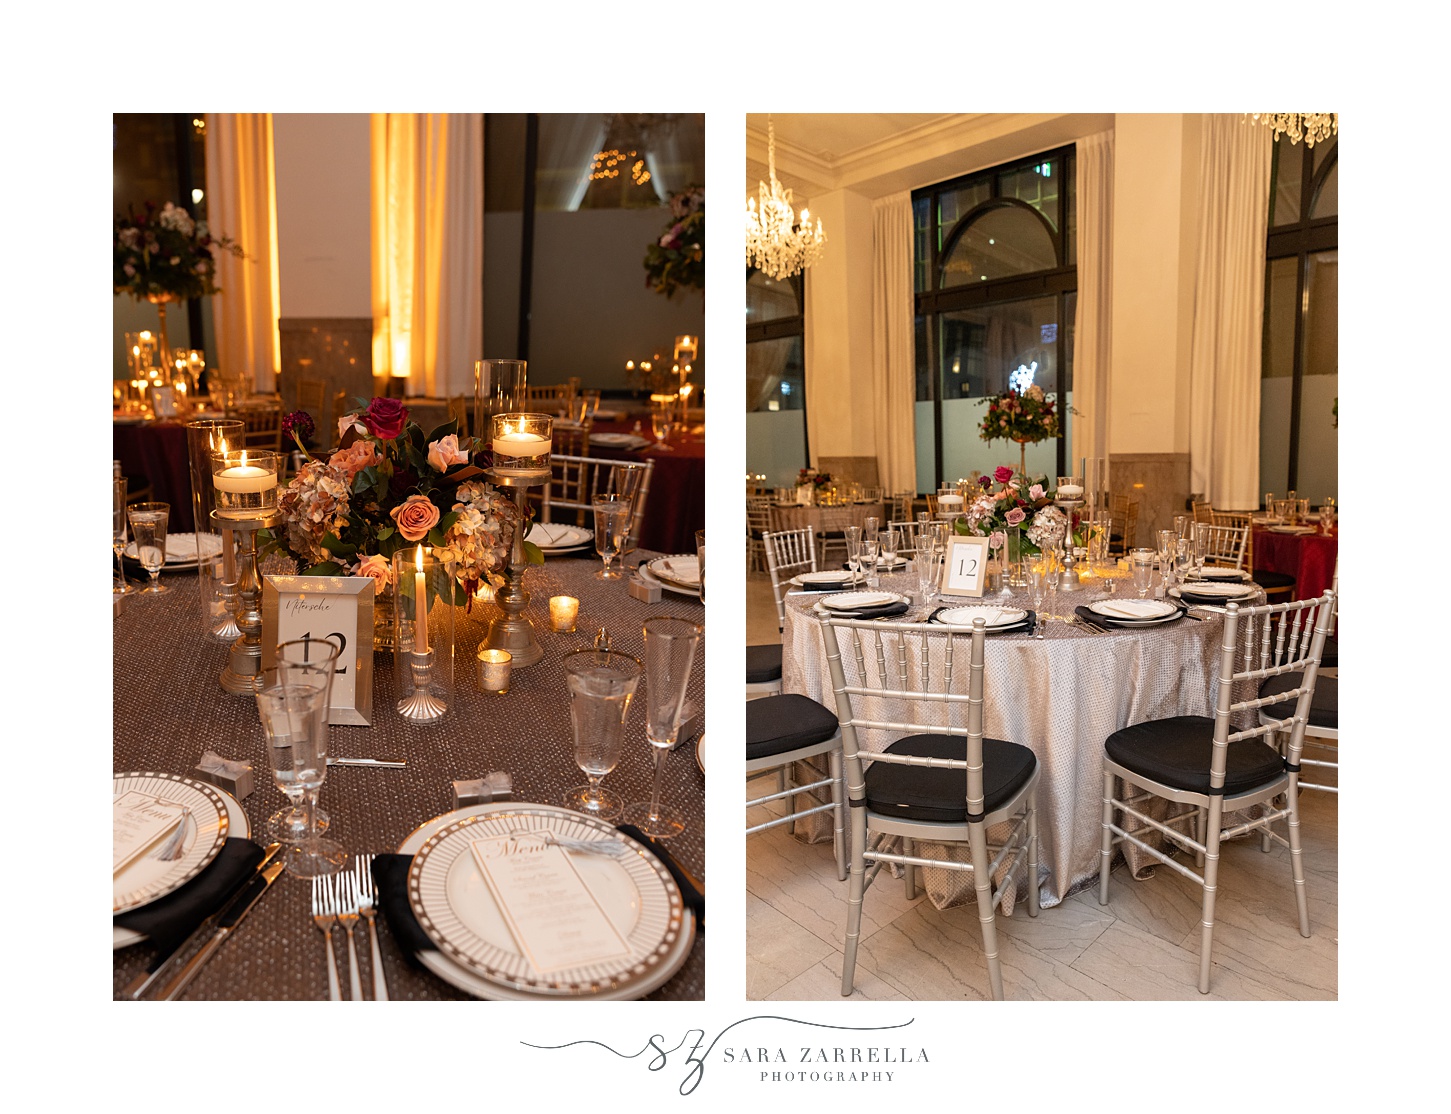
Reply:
x=476, y=951
x=207, y=824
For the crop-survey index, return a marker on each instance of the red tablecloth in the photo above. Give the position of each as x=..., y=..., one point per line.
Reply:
x=1309, y=558
x=156, y=453
x=675, y=508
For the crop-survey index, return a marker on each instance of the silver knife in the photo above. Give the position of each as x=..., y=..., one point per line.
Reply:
x=142, y=982
x=392, y=764
x=227, y=923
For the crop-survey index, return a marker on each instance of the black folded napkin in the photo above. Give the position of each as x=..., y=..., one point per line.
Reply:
x=1028, y=622
x=390, y=872
x=832, y=586
x=880, y=612
x=1188, y=596
x=1095, y=617
x=169, y=920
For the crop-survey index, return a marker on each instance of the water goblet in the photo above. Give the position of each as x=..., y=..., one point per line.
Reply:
x=148, y=528
x=305, y=710
x=312, y=663
x=1142, y=562
x=120, y=586
x=612, y=523
x=288, y=824
x=670, y=646
x=601, y=685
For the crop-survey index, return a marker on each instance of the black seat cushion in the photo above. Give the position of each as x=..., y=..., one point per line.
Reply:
x=919, y=793
x=1330, y=655
x=763, y=663
x=1176, y=752
x=778, y=724
x=1273, y=580
x=1324, y=703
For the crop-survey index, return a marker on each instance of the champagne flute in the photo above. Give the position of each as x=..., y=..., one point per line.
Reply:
x=887, y=548
x=926, y=565
x=288, y=824
x=660, y=426
x=118, y=534
x=854, y=551
x=148, y=527
x=869, y=558
x=612, y=523
x=669, y=657
x=601, y=685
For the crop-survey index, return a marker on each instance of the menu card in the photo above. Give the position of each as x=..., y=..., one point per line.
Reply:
x=554, y=918
x=139, y=822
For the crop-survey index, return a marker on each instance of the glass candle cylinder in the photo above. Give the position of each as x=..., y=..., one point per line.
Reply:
x=245, y=482
x=563, y=612
x=521, y=444
x=492, y=670
x=1070, y=487
x=500, y=387
x=423, y=634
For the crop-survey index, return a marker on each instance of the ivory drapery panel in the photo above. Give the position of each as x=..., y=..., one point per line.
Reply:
x=242, y=204
x=894, y=390
x=1229, y=293
x=428, y=245
x=1092, y=331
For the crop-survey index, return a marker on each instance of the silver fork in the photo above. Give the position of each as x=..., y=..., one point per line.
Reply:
x=323, y=917
x=345, y=897
x=367, y=906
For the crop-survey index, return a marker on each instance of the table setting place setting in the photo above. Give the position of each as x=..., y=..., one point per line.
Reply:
x=420, y=661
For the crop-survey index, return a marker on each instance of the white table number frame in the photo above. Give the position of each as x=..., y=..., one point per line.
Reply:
x=326, y=607
x=964, y=573
x=163, y=401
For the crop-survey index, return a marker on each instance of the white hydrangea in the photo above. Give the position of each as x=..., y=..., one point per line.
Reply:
x=178, y=220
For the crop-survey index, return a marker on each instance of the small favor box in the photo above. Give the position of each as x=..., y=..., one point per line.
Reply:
x=231, y=777
x=493, y=786
x=643, y=590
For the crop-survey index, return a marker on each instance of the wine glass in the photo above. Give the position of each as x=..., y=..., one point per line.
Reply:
x=612, y=523
x=669, y=657
x=601, y=685
x=660, y=426
x=700, y=560
x=148, y=527
x=118, y=534
x=1142, y=561
x=305, y=710
x=289, y=823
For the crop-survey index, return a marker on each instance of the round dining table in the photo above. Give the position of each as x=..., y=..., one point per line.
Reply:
x=1310, y=557
x=675, y=506
x=154, y=453
x=169, y=709
x=1061, y=696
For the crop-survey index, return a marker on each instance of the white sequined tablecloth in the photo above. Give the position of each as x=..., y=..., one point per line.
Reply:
x=1061, y=696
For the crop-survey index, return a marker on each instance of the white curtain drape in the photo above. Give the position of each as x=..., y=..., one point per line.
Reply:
x=568, y=143
x=242, y=204
x=428, y=249
x=1092, y=332
x=894, y=390
x=1224, y=361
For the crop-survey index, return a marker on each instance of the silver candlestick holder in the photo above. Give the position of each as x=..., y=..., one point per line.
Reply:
x=225, y=629
x=422, y=706
x=243, y=673
x=512, y=631
x=1068, y=578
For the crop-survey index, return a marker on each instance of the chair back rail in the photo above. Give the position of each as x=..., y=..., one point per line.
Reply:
x=788, y=553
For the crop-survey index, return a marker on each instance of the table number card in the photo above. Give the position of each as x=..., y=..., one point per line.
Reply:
x=140, y=823
x=554, y=918
x=964, y=571
x=336, y=607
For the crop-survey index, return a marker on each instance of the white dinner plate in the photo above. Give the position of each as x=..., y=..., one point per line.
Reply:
x=811, y=579
x=1206, y=589
x=668, y=585
x=700, y=752
x=457, y=910
x=555, y=537
x=1135, y=624
x=856, y=601
x=619, y=440
x=207, y=824
x=995, y=617
x=1292, y=530
x=238, y=828
x=1133, y=611
x=1219, y=572
x=181, y=550
x=678, y=568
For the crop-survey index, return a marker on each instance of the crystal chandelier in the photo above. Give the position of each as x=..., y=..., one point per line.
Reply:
x=1313, y=127
x=775, y=243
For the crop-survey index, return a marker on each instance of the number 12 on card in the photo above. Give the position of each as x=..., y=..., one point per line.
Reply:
x=962, y=572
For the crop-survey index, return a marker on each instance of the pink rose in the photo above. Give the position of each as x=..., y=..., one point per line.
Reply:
x=1002, y=473
x=356, y=457
x=996, y=540
x=445, y=451
x=385, y=418
x=379, y=568
x=347, y=423
x=1035, y=492
x=1015, y=516
x=415, y=516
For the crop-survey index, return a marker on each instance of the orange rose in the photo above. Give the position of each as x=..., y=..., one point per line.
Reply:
x=379, y=568
x=415, y=516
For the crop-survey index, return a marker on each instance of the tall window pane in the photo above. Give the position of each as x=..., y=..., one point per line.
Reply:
x=1317, y=476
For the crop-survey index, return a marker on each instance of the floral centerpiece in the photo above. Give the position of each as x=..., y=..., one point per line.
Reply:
x=678, y=258
x=1026, y=416
x=810, y=476
x=386, y=487
x=165, y=256
x=1016, y=500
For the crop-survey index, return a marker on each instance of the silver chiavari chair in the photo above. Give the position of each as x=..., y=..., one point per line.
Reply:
x=781, y=731
x=909, y=536
x=939, y=781
x=788, y=554
x=1224, y=545
x=576, y=480
x=1322, y=728
x=1214, y=769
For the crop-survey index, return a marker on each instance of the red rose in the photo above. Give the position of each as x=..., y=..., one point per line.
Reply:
x=385, y=418
x=1002, y=473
